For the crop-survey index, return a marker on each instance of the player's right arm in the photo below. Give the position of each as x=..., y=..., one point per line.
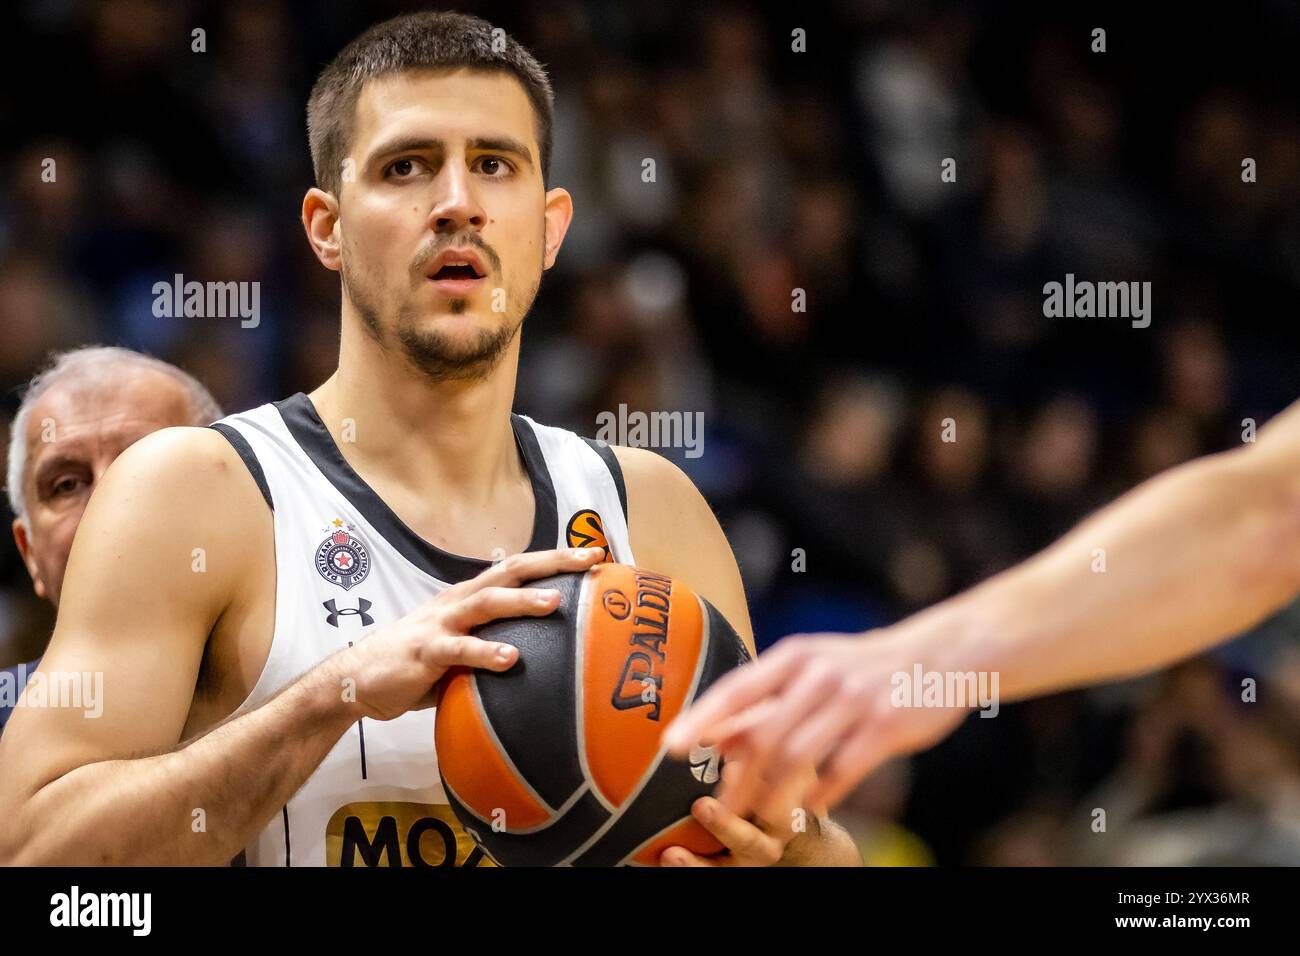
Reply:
x=1197, y=554
x=119, y=788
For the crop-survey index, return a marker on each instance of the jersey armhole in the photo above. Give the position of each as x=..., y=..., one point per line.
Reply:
x=615, y=469
x=249, y=457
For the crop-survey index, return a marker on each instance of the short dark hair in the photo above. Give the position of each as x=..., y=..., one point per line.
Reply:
x=415, y=41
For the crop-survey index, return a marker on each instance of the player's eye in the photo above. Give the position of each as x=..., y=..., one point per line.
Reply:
x=496, y=167
x=402, y=169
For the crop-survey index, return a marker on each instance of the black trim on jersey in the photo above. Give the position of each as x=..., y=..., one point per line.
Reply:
x=606, y=453
x=285, y=810
x=245, y=450
x=310, y=433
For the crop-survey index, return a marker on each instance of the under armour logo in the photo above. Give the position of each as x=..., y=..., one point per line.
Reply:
x=334, y=613
x=704, y=764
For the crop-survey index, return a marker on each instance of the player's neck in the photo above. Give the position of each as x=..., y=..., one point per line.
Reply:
x=384, y=414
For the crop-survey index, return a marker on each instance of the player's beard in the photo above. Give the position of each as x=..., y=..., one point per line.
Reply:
x=438, y=356
x=447, y=358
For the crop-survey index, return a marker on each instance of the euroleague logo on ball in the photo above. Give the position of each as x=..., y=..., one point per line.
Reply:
x=341, y=558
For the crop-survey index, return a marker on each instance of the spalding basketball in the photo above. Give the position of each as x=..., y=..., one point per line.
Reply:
x=557, y=761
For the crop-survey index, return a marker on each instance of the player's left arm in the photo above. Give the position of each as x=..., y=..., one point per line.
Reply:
x=673, y=530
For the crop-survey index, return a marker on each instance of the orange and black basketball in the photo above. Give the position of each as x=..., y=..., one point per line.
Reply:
x=557, y=761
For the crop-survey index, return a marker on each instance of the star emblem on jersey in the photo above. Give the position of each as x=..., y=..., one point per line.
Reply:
x=341, y=558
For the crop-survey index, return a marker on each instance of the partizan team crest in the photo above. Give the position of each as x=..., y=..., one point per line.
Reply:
x=341, y=558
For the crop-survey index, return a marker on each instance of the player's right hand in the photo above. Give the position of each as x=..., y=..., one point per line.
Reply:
x=395, y=669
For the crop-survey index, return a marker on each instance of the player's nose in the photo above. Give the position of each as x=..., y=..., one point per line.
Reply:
x=455, y=206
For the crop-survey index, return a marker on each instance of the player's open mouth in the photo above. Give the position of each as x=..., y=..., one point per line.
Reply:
x=457, y=271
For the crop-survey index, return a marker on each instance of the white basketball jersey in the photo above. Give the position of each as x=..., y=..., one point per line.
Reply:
x=346, y=566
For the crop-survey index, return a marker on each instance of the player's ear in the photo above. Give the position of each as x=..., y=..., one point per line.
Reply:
x=320, y=214
x=559, y=213
x=24, y=544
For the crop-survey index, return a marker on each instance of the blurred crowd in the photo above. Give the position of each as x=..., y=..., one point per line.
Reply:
x=920, y=318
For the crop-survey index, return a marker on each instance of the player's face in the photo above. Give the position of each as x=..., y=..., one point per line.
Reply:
x=73, y=435
x=446, y=228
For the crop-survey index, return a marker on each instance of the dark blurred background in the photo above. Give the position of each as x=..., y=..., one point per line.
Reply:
x=779, y=170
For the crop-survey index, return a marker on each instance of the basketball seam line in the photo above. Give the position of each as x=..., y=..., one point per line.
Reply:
x=550, y=821
x=654, y=836
x=580, y=636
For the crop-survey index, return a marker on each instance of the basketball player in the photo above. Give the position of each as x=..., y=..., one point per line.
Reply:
x=272, y=600
x=77, y=415
x=1193, y=557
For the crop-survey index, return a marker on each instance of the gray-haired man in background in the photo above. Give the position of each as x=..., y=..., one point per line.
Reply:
x=77, y=415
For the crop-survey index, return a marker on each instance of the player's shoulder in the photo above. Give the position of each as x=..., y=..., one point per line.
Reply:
x=651, y=473
x=663, y=504
x=170, y=496
x=181, y=452
x=183, y=469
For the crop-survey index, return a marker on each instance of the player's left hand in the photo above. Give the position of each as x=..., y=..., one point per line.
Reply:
x=763, y=841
